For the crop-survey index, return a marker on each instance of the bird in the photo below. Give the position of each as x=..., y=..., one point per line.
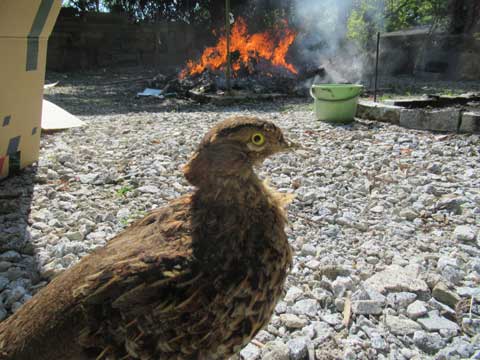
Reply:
x=195, y=279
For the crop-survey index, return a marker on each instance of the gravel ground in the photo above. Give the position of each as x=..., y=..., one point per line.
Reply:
x=385, y=222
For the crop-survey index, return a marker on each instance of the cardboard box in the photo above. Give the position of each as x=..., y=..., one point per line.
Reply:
x=25, y=26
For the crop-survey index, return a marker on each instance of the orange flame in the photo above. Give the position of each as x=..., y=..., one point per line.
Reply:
x=265, y=45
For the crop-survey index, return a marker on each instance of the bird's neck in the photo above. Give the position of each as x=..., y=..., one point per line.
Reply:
x=238, y=219
x=246, y=191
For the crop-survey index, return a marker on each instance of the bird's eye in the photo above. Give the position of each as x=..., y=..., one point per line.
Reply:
x=258, y=139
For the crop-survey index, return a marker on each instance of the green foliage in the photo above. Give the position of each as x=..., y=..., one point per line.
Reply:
x=188, y=11
x=370, y=16
x=124, y=190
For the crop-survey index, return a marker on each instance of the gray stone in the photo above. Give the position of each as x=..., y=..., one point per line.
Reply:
x=74, y=236
x=408, y=214
x=374, y=294
x=348, y=354
x=250, y=352
x=416, y=309
x=434, y=322
x=313, y=264
x=367, y=307
x=323, y=331
x=275, y=350
x=401, y=326
x=123, y=213
x=438, y=120
x=148, y=189
x=470, y=122
x=3, y=282
x=465, y=233
x=14, y=295
x=14, y=273
x=435, y=168
x=15, y=306
x=307, y=307
x=453, y=274
x=378, y=342
x=332, y=319
x=293, y=293
x=444, y=295
x=292, y=321
x=400, y=300
x=322, y=295
x=339, y=304
x=396, y=279
x=450, y=203
x=308, y=249
x=444, y=261
x=370, y=110
x=309, y=331
x=3, y=312
x=468, y=291
x=441, y=307
x=281, y=307
x=298, y=348
x=264, y=336
x=88, y=178
x=341, y=285
x=5, y=265
x=11, y=256
x=51, y=174
x=429, y=343
x=377, y=209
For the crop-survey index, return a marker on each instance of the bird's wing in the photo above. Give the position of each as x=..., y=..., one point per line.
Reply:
x=148, y=255
x=141, y=270
x=84, y=302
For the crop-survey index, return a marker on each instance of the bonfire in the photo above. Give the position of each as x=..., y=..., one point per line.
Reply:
x=249, y=49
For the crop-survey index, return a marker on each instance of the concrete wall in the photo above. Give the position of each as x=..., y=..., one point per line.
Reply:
x=455, y=57
x=105, y=40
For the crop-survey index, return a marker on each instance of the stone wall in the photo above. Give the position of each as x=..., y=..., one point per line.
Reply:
x=105, y=40
x=439, y=55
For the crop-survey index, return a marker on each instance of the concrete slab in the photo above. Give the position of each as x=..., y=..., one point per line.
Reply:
x=470, y=123
x=436, y=120
x=370, y=110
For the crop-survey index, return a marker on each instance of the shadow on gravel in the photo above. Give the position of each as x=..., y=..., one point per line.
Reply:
x=19, y=276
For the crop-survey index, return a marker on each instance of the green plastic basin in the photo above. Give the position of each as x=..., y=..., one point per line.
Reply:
x=335, y=102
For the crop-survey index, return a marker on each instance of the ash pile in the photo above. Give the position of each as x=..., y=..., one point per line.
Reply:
x=274, y=83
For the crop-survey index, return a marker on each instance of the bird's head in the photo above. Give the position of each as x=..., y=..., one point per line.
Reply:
x=233, y=147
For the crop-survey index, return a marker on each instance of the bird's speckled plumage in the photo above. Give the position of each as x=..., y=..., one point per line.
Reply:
x=196, y=279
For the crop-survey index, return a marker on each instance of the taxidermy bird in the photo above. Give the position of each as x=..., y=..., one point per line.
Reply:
x=196, y=279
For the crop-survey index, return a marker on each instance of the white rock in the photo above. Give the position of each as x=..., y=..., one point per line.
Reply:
x=293, y=293
x=250, y=352
x=465, y=233
x=396, y=279
x=401, y=326
x=307, y=307
x=148, y=189
x=292, y=321
x=416, y=309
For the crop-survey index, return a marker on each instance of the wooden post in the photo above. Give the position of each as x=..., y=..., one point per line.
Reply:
x=376, y=68
x=227, y=31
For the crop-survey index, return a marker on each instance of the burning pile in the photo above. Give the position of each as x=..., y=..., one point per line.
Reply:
x=248, y=51
x=259, y=66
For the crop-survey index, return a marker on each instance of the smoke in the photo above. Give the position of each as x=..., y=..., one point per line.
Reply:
x=322, y=39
